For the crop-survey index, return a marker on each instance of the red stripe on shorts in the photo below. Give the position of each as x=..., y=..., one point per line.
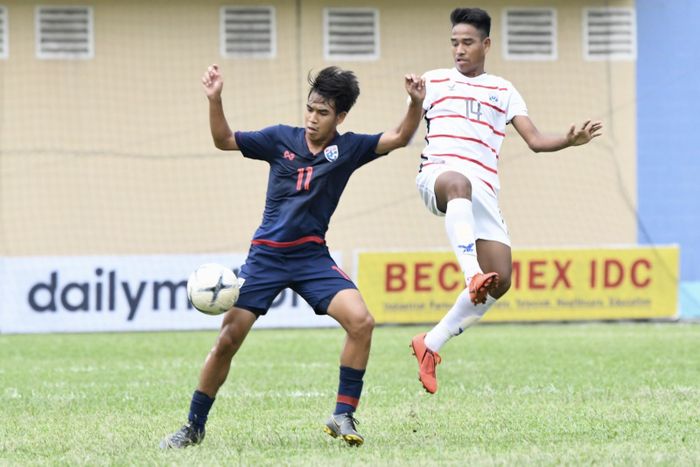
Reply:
x=341, y=272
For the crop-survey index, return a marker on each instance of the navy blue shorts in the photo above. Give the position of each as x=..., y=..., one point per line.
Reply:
x=308, y=269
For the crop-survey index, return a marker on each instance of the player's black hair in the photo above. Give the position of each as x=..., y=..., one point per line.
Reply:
x=338, y=87
x=474, y=16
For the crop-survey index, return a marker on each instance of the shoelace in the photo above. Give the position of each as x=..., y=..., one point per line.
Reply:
x=351, y=418
x=183, y=434
x=436, y=357
x=187, y=432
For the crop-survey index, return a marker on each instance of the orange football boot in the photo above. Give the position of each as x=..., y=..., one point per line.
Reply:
x=480, y=285
x=427, y=361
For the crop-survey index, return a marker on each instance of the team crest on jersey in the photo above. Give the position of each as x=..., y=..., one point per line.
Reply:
x=331, y=153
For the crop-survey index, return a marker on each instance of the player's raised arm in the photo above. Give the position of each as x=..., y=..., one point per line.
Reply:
x=213, y=83
x=401, y=135
x=547, y=143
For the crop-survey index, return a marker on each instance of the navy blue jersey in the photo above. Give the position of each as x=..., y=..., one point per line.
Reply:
x=303, y=189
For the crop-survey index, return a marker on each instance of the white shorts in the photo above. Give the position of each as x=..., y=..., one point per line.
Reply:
x=488, y=221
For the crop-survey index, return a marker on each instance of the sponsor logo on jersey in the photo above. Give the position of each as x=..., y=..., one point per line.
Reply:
x=331, y=153
x=289, y=155
x=493, y=99
x=467, y=248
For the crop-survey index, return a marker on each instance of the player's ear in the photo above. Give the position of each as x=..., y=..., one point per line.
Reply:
x=340, y=118
x=487, y=44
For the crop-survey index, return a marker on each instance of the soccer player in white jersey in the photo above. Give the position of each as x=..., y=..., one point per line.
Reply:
x=467, y=110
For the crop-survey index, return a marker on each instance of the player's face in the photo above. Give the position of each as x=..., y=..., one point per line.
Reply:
x=469, y=49
x=320, y=119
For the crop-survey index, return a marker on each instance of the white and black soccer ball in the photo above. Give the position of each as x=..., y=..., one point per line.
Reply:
x=212, y=288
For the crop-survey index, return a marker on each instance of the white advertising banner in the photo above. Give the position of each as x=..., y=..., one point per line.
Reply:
x=122, y=293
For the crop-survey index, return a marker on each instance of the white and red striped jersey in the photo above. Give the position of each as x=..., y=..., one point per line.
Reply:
x=467, y=119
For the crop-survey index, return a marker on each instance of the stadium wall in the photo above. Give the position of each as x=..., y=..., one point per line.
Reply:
x=112, y=155
x=668, y=162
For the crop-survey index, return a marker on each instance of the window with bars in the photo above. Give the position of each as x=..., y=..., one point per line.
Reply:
x=609, y=34
x=248, y=32
x=4, y=45
x=530, y=34
x=64, y=32
x=351, y=34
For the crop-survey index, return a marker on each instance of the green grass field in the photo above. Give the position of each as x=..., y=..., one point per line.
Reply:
x=623, y=394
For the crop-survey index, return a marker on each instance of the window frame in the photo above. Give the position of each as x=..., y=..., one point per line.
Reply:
x=553, y=56
x=272, y=54
x=43, y=55
x=328, y=56
x=5, y=35
x=632, y=56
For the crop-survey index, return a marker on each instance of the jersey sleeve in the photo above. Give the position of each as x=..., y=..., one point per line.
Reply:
x=258, y=144
x=430, y=90
x=366, y=148
x=516, y=105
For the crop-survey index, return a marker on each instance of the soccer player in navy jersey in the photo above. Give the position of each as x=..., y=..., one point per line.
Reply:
x=309, y=168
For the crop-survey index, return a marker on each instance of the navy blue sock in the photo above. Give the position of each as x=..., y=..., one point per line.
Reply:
x=199, y=409
x=349, y=390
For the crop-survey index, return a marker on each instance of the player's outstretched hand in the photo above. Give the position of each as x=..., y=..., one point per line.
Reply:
x=213, y=82
x=587, y=132
x=415, y=87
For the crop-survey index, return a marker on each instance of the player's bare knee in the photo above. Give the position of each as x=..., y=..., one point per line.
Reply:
x=369, y=323
x=227, y=344
x=503, y=286
x=452, y=185
x=361, y=327
x=366, y=325
x=458, y=188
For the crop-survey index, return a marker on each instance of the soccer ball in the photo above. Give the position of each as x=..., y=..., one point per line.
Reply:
x=212, y=288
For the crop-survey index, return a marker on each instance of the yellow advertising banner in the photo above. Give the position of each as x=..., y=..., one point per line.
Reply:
x=546, y=285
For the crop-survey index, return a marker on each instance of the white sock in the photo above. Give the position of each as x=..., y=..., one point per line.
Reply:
x=462, y=315
x=459, y=222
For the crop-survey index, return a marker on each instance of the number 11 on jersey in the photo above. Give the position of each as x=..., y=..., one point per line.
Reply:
x=300, y=177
